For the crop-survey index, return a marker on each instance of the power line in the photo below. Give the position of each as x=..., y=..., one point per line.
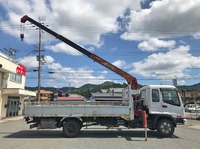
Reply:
x=58, y=71
x=86, y=78
x=94, y=28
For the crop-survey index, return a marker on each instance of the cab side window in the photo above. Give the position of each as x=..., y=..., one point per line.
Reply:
x=143, y=94
x=155, y=95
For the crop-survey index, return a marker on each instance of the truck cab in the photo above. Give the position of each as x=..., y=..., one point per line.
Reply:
x=164, y=107
x=162, y=99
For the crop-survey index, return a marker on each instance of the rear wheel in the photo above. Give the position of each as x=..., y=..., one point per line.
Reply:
x=165, y=128
x=71, y=128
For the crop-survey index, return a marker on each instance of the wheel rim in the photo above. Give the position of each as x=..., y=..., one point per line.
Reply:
x=166, y=128
x=71, y=128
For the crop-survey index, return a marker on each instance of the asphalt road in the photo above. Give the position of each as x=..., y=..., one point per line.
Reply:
x=17, y=135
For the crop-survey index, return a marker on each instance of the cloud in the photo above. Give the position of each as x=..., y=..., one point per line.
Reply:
x=49, y=59
x=55, y=66
x=76, y=77
x=26, y=61
x=175, y=62
x=164, y=19
x=181, y=82
x=62, y=76
x=10, y=22
x=81, y=21
x=104, y=72
x=31, y=61
x=114, y=49
x=119, y=63
x=182, y=42
x=63, y=48
x=155, y=44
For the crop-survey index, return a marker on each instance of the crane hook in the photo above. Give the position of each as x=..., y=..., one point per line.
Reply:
x=22, y=32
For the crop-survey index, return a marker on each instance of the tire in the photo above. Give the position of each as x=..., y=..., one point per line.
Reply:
x=165, y=128
x=71, y=128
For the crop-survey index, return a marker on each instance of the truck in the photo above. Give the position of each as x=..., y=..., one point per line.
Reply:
x=157, y=107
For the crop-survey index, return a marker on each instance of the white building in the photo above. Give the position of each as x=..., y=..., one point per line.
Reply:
x=12, y=84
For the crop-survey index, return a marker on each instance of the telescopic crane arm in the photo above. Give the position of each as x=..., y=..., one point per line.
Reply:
x=130, y=79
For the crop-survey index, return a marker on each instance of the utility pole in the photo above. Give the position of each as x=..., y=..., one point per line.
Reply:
x=10, y=51
x=69, y=87
x=39, y=67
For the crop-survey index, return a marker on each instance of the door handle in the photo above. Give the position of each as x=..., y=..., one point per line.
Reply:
x=164, y=106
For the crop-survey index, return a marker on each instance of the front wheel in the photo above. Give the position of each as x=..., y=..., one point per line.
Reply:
x=71, y=128
x=165, y=128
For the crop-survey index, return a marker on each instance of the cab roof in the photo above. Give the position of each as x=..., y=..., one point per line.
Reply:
x=157, y=86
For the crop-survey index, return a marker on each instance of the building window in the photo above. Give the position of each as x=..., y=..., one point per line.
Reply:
x=15, y=77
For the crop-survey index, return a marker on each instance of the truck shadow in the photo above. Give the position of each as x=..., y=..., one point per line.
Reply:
x=129, y=135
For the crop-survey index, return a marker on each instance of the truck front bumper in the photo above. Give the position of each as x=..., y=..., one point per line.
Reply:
x=181, y=121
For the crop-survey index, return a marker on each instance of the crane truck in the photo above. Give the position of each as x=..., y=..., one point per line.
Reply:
x=161, y=103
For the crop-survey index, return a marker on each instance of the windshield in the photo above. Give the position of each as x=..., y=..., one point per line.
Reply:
x=170, y=96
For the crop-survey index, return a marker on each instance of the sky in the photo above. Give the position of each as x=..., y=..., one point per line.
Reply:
x=153, y=40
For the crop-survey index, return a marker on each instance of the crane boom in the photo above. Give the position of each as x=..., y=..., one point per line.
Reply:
x=130, y=79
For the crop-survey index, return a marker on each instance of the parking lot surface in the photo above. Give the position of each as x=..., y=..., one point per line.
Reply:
x=15, y=134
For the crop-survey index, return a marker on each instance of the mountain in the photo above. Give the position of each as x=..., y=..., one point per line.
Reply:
x=96, y=88
x=187, y=88
x=52, y=89
x=196, y=86
x=104, y=85
x=91, y=87
x=88, y=86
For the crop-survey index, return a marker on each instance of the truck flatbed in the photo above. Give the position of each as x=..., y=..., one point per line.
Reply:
x=77, y=109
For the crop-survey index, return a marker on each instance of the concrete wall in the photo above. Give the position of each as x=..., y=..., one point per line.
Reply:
x=0, y=105
x=1, y=79
x=4, y=99
x=8, y=64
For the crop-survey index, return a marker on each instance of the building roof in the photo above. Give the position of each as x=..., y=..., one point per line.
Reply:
x=187, y=95
x=104, y=95
x=116, y=89
x=108, y=99
x=70, y=98
x=104, y=90
x=74, y=95
x=44, y=98
x=44, y=92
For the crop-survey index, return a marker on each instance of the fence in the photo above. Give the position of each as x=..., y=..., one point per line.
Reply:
x=193, y=114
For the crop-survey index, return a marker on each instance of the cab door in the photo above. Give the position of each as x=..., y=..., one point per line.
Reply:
x=155, y=102
x=171, y=103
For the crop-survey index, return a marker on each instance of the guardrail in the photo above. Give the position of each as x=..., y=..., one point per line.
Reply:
x=52, y=103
